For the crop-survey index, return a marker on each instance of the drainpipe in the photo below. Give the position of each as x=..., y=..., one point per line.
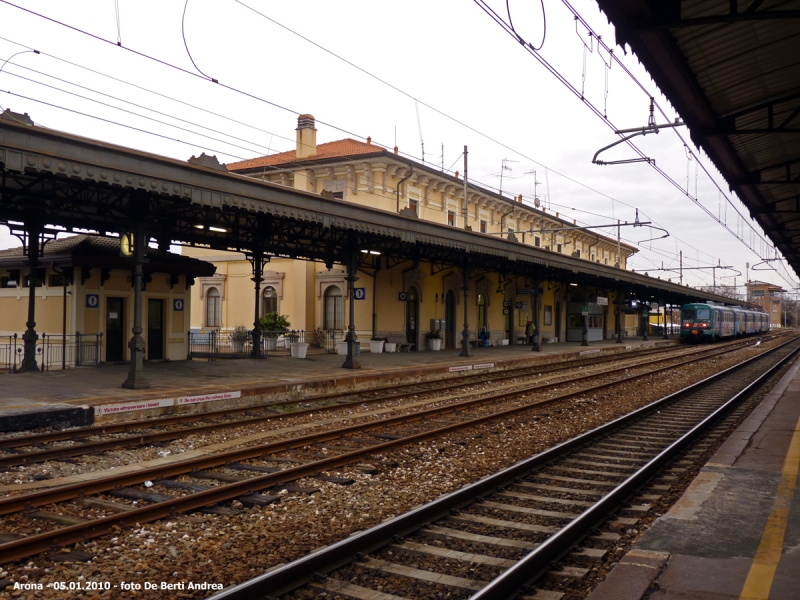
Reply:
x=400, y=183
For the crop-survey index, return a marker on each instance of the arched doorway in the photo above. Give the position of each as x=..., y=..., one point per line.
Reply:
x=269, y=301
x=412, y=318
x=333, y=314
x=450, y=319
x=481, y=312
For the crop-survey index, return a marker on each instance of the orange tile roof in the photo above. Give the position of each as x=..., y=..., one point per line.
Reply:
x=339, y=148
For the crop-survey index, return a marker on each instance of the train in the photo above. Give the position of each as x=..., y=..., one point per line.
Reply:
x=708, y=322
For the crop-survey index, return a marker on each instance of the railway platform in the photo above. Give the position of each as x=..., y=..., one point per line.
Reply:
x=79, y=397
x=735, y=532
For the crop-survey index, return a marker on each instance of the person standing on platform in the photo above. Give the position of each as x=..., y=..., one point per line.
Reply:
x=529, y=333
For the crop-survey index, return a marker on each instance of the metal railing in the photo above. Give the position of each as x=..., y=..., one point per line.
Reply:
x=53, y=351
x=234, y=343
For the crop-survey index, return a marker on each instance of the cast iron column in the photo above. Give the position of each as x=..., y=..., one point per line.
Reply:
x=645, y=319
x=465, y=333
x=136, y=380
x=666, y=334
x=30, y=336
x=585, y=331
x=619, y=317
x=257, y=261
x=536, y=347
x=350, y=362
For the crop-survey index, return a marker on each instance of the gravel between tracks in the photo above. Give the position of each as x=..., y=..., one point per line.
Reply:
x=214, y=549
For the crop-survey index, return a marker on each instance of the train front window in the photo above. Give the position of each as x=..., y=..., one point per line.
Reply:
x=689, y=314
x=703, y=314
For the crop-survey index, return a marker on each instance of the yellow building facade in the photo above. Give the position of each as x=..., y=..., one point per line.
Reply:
x=83, y=289
x=405, y=298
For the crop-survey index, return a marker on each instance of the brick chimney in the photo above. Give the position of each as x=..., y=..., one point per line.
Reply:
x=306, y=137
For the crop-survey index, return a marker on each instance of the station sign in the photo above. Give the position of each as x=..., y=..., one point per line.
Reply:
x=177, y=304
x=92, y=300
x=602, y=300
x=584, y=310
x=526, y=292
x=360, y=293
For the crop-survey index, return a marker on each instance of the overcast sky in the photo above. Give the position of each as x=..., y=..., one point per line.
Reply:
x=472, y=81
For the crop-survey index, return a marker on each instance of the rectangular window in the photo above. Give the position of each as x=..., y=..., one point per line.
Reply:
x=414, y=205
x=212, y=311
x=56, y=280
x=451, y=218
x=11, y=281
x=548, y=315
x=40, y=275
x=483, y=226
x=537, y=242
x=757, y=293
x=558, y=247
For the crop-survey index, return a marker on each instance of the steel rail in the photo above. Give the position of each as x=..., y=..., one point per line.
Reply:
x=56, y=436
x=36, y=544
x=37, y=456
x=291, y=576
x=13, y=504
x=555, y=547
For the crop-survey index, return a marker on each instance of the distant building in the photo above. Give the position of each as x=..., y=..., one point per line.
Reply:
x=83, y=286
x=769, y=297
x=366, y=174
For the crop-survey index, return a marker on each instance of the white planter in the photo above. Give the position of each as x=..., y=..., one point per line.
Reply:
x=504, y=342
x=341, y=348
x=435, y=345
x=272, y=344
x=376, y=347
x=390, y=347
x=238, y=346
x=299, y=350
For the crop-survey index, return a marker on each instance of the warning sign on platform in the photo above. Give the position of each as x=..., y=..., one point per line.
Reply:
x=461, y=368
x=112, y=409
x=208, y=398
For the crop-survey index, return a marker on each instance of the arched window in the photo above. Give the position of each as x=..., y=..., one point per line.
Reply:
x=334, y=312
x=481, y=311
x=269, y=301
x=212, y=308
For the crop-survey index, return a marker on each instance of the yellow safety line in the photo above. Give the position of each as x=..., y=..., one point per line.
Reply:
x=768, y=555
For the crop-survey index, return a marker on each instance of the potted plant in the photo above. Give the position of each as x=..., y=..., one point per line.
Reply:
x=434, y=338
x=273, y=325
x=238, y=337
x=376, y=345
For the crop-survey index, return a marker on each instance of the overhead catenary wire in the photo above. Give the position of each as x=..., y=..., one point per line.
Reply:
x=529, y=48
x=295, y=112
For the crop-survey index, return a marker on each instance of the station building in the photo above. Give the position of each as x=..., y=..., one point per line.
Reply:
x=403, y=298
x=769, y=297
x=84, y=300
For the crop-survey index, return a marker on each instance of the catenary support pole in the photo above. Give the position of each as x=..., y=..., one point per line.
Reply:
x=350, y=362
x=465, y=333
x=136, y=379
x=30, y=336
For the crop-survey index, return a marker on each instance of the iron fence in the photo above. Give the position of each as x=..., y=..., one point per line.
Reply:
x=53, y=351
x=236, y=343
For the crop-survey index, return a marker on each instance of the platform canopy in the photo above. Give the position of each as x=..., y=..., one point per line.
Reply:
x=731, y=68
x=79, y=184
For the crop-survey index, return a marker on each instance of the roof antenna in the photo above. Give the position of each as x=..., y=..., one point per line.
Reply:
x=419, y=126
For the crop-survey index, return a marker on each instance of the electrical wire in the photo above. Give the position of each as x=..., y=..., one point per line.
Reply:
x=186, y=45
x=111, y=122
x=529, y=48
x=519, y=37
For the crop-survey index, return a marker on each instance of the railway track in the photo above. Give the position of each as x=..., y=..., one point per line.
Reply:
x=30, y=449
x=278, y=464
x=495, y=538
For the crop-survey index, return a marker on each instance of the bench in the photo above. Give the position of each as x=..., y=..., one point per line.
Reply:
x=402, y=343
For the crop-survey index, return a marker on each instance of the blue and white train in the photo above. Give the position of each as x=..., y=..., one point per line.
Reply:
x=709, y=322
